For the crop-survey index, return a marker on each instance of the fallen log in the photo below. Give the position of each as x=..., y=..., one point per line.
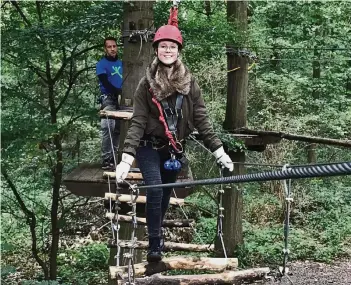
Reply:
x=140, y=200
x=228, y=277
x=119, y=115
x=177, y=262
x=142, y=221
x=169, y=246
x=310, y=139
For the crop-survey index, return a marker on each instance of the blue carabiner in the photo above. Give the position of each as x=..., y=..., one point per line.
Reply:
x=172, y=164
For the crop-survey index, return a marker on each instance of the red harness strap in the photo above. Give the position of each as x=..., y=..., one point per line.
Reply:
x=176, y=146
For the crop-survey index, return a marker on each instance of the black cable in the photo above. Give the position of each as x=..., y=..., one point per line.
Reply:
x=334, y=169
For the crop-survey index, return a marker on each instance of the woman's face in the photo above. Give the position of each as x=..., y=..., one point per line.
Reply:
x=167, y=52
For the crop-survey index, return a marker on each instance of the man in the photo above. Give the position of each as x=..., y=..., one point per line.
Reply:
x=109, y=71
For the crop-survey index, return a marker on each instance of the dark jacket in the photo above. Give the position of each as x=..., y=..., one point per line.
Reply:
x=145, y=120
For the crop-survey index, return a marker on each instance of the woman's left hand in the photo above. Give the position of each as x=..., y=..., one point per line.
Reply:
x=223, y=159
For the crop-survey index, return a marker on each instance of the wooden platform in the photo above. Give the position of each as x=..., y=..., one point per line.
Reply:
x=88, y=180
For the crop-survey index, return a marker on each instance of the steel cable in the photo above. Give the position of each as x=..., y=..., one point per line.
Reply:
x=335, y=169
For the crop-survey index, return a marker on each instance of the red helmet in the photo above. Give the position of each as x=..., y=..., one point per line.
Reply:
x=168, y=32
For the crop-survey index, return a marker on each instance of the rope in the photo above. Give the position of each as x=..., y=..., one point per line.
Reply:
x=187, y=217
x=335, y=169
x=111, y=141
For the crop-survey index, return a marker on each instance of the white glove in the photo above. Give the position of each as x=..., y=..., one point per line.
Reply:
x=223, y=159
x=123, y=167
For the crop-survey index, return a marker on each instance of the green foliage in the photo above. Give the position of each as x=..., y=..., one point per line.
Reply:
x=48, y=94
x=85, y=265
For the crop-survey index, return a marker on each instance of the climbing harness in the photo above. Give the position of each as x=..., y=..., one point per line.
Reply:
x=172, y=120
x=169, y=118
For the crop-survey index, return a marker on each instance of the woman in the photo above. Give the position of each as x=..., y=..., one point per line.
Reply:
x=168, y=83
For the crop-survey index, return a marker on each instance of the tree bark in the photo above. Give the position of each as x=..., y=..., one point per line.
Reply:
x=311, y=153
x=178, y=262
x=235, y=118
x=231, y=277
x=169, y=246
x=142, y=221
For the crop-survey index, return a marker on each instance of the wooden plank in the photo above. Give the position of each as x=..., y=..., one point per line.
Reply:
x=228, y=277
x=169, y=246
x=177, y=262
x=116, y=115
x=131, y=175
x=88, y=180
x=142, y=221
x=140, y=200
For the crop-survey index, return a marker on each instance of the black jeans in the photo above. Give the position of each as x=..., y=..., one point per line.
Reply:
x=151, y=162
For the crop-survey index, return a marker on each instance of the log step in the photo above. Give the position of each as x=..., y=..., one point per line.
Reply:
x=124, y=198
x=227, y=277
x=169, y=246
x=142, y=221
x=117, y=115
x=130, y=176
x=177, y=262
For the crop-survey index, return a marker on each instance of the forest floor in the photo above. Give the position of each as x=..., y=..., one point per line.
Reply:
x=308, y=272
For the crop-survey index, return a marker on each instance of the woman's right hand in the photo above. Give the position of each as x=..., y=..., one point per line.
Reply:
x=123, y=167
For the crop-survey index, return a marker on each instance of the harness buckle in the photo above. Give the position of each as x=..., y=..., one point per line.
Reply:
x=179, y=113
x=168, y=112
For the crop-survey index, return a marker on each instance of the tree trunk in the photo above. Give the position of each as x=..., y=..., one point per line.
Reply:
x=311, y=153
x=235, y=118
x=137, y=54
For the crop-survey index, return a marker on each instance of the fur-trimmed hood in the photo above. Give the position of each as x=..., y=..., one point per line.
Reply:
x=161, y=85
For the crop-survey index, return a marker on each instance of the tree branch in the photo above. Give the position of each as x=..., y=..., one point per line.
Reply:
x=37, y=4
x=344, y=143
x=31, y=220
x=34, y=68
x=70, y=85
x=67, y=61
x=14, y=3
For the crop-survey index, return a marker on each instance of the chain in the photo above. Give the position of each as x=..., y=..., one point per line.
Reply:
x=288, y=200
x=221, y=215
x=134, y=194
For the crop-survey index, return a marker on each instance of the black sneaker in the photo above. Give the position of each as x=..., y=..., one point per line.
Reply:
x=154, y=253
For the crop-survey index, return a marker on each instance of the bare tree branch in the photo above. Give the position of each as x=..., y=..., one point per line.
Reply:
x=74, y=205
x=70, y=85
x=37, y=4
x=14, y=3
x=31, y=220
x=5, y=2
x=67, y=61
x=19, y=63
